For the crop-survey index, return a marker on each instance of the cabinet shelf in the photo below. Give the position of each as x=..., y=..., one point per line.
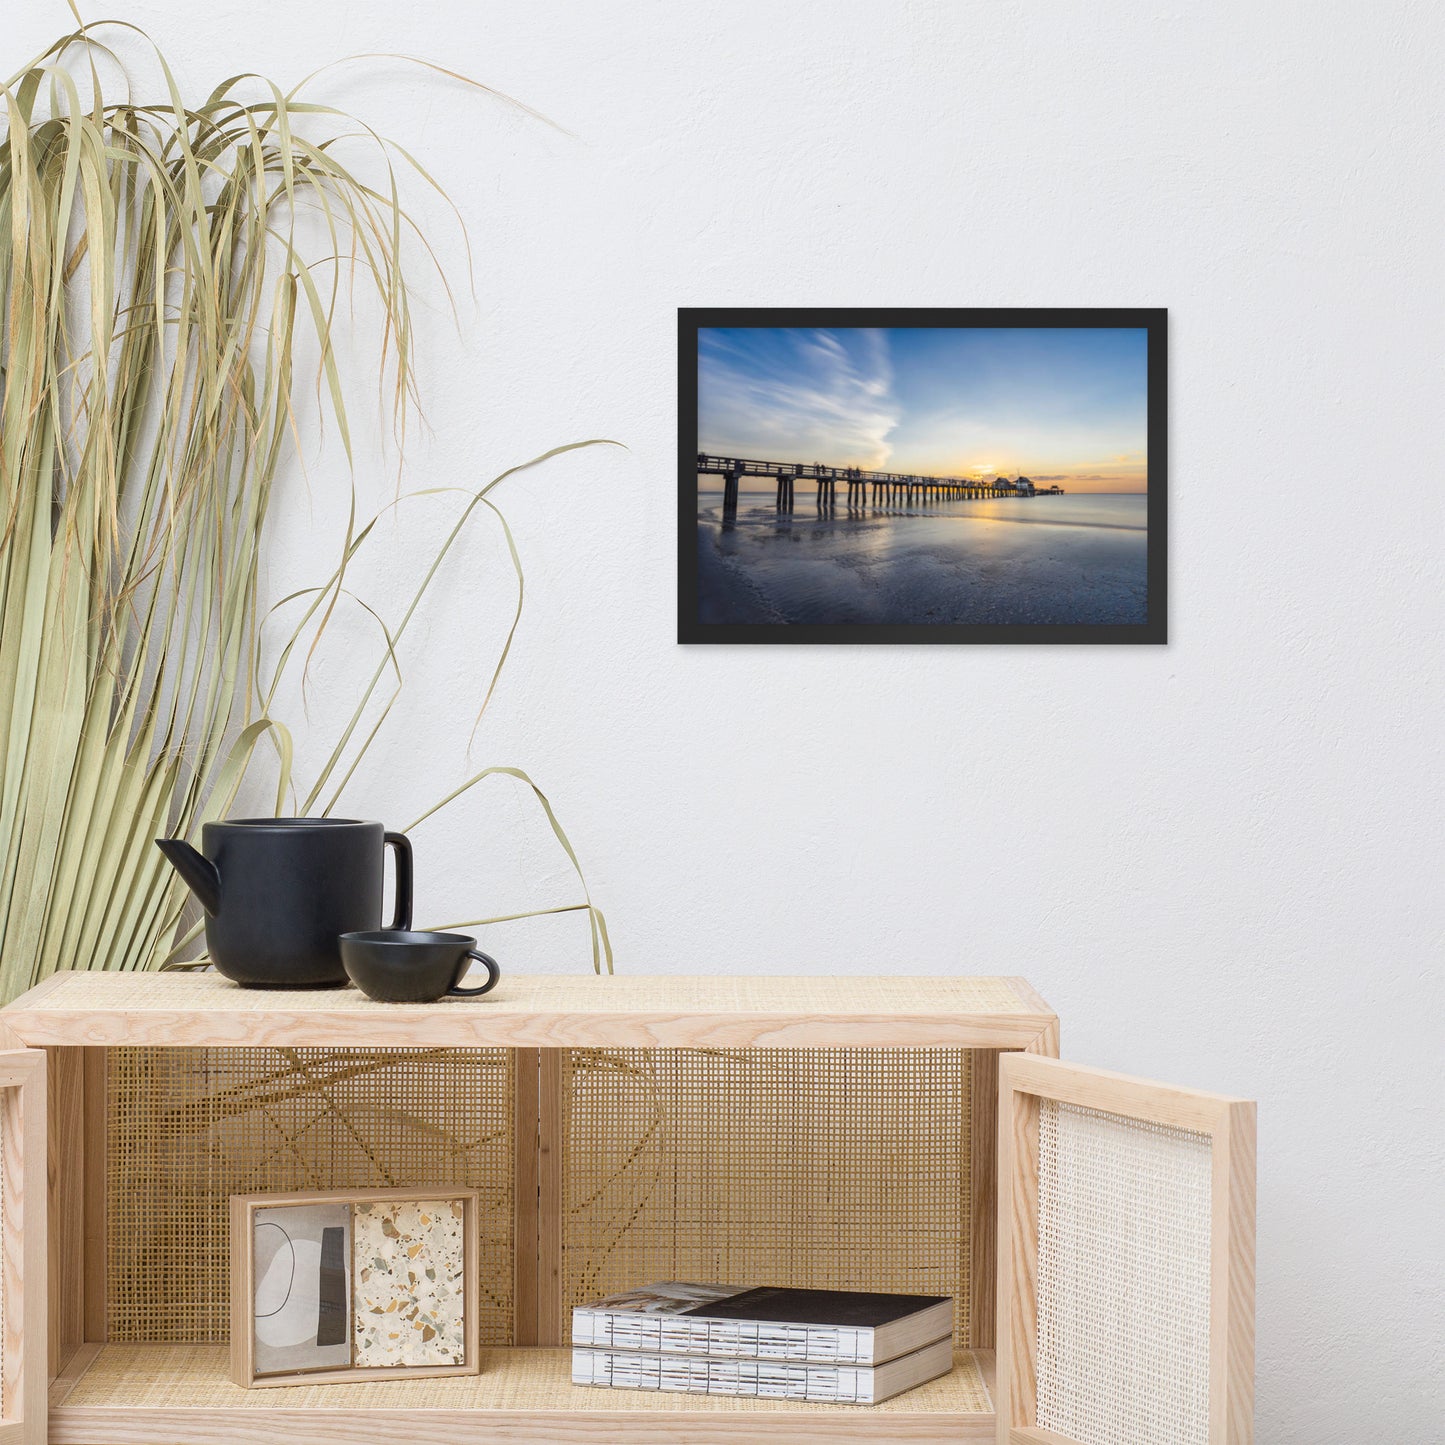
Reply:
x=600, y=1119
x=164, y=1010
x=181, y=1395
x=897, y=1134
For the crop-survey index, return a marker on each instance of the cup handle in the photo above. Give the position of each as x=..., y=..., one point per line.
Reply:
x=494, y=972
x=399, y=841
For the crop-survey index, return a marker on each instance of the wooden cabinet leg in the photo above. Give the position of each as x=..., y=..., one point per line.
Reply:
x=94, y=1069
x=75, y=1084
x=65, y=1086
x=526, y=1105
x=983, y=1230
x=538, y=1122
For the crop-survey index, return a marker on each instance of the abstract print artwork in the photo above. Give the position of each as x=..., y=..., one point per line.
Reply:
x=303, y=1268
x=328, y=1286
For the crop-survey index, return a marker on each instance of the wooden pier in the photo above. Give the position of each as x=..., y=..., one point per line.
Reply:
x=888, y=487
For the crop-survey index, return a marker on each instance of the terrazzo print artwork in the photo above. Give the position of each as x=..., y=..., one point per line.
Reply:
x=409, y=1291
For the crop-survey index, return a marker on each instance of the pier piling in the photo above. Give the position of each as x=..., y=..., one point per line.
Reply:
x=889, y=488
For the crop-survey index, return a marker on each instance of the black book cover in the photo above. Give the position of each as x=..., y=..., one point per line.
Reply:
x=818, y=1307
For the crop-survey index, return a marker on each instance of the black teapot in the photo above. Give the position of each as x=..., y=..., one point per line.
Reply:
x=278, y=892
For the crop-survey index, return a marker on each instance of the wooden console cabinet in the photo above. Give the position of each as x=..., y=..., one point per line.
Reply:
x=834, y=1131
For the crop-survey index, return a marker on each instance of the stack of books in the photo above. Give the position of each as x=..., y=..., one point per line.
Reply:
x=837, y=1347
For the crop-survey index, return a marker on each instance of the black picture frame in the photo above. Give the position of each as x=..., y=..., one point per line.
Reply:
x=1153, y=320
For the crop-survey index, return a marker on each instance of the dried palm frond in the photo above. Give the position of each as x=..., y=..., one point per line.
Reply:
x=156, y=293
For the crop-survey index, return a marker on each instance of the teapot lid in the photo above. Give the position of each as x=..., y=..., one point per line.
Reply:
x=288, y=823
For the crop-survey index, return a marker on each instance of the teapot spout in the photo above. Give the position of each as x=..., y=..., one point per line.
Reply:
x=199, y=873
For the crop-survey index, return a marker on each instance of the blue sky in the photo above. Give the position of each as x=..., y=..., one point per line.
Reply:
x=1065, y=404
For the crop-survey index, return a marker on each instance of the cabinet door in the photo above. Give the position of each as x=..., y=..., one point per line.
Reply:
x=1126, y=1260
x=23, y=1260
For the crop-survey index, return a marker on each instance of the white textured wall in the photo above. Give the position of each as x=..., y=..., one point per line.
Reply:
x=1221, y=861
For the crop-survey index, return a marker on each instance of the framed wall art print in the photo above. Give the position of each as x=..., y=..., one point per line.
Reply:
x=911, y=476
x=360, y=1285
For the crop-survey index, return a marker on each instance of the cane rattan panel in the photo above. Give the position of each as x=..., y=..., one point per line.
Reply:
x=826, y=1168
x=187, y=1128
x=1123, y=1279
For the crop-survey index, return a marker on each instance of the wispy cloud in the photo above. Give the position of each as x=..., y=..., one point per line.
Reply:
x=797, y=395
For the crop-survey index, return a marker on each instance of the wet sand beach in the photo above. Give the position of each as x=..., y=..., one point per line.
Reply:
x=1048, y=559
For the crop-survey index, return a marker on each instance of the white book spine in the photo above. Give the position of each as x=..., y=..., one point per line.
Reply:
x=680, y=1335
x=700, y=1375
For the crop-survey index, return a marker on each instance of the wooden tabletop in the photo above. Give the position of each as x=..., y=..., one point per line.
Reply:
x=539, y=1011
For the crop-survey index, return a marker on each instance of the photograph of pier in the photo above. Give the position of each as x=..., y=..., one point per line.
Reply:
x=951, y=476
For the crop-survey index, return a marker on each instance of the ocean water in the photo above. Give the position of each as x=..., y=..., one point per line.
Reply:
x=1061, y=559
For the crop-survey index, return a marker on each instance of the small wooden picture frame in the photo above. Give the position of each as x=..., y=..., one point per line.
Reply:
x=354, y=1285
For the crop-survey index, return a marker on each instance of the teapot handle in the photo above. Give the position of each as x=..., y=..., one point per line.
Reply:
x=402, y=844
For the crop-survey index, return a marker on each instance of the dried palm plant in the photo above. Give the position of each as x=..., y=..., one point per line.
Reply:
x=156, y=293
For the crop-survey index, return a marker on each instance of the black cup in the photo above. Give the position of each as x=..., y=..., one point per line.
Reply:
x=393, y=965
